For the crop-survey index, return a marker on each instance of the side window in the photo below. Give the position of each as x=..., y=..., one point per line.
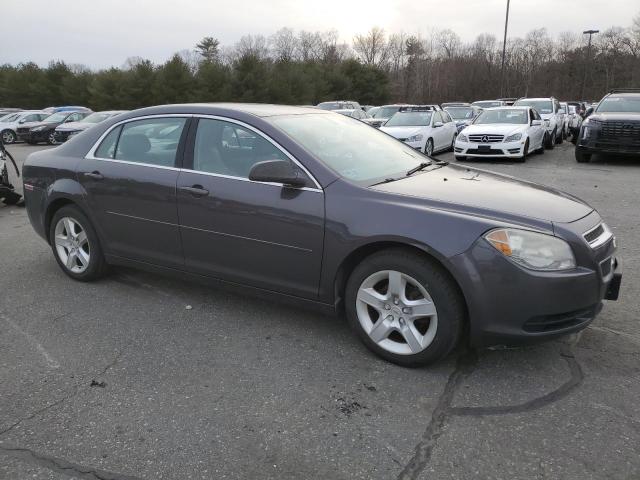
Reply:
x=446, y=117
x=31, y=118
x=532, y=117
x=226, y=148
x=436, y=117
x=536, y=115
x=107, y=148
x=154, y=141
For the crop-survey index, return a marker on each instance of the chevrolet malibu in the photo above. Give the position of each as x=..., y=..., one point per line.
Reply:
x=320, y=209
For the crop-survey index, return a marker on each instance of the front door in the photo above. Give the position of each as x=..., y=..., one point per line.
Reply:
x=261, y=234
x=130, y=181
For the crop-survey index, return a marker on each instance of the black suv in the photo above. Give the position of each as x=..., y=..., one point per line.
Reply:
x=612, y=127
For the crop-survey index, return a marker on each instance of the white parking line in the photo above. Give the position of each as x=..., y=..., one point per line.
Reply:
x=51, y=362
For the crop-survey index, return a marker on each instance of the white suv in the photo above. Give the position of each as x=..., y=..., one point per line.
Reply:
x=423, y=128
x=10, y=123
x=549, y=110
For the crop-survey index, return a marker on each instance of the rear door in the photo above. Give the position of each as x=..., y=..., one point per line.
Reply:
x=261, y=234
x=130, y=183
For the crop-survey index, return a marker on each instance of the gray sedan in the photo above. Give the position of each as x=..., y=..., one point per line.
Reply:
x=316, y=209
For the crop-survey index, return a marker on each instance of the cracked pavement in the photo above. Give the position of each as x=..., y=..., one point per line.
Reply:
x=119, y=380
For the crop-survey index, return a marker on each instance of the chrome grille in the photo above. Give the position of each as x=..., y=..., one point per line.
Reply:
x=598, y=236
x=486, y=138
x=620, y=129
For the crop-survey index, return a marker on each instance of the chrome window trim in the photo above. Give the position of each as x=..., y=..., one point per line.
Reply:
x=91, y=153
x=268, y=139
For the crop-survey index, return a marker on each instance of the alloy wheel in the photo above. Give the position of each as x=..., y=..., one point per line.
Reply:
x=72, y=245
x=8, y=137
x=52, y=138
x=428, y=148
x=396, y=312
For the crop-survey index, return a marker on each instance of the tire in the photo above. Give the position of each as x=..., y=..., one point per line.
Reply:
x=51, y=138
x=525, y=152
x=9, y=136
x=89, y=244
x=582, y=157
x=432, y=335
x=549, y=142
x=428, y=147
x=558, y=137
x=453, y=143
x=460, y=158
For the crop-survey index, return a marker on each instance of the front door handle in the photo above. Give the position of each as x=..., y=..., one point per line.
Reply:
x=96, y=175
x=195, y=190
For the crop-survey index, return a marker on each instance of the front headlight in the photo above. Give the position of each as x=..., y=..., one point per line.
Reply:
x=586, y=132
x=533, y=250
x=547, y=122
x=414, y=138
x=462, y=137
x=38, y=129
x=513, y=138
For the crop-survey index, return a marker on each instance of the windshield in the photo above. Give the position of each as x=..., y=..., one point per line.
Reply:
x=630, y=104
x=57, y=117
x=331, y=105
x=409, y=119
x=542, y=106
x=460, y=113
x=385, y=112
x=503, y=116
x=10, y=117
x=96, y=117
x=488, y=103
x=372, y=111
x=353, y=150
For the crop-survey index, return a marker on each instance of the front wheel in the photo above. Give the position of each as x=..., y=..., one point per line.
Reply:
x=75, y=244
x=8, y=136
x=453, y=143
x=404, y=307
x=428, y=148
x=525, y=152
x=582, y=157
x=549, y=140
x=51, y=139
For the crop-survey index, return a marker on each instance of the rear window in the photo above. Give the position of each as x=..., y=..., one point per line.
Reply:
x=107, y=148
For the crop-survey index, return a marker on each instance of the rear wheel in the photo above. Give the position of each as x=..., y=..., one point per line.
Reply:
x=8, y=136
x=75, y=244
x=404, y=307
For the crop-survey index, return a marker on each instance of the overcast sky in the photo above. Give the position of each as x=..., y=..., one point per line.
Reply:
x=102, y=33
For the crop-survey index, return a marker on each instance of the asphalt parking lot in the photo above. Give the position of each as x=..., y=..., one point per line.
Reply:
x=140, y=376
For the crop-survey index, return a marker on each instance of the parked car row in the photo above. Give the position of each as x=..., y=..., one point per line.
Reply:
x=51, y=125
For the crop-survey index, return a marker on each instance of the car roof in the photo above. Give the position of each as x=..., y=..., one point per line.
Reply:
x=534, y=98
x=255, y=109
x=510, y=107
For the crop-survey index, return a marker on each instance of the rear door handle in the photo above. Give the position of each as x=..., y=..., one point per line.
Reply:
x=96, y=175
x=195, y=190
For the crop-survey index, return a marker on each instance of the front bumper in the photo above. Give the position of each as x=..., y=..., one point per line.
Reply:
x=510, y=305
x=501, y=149
x=34, y=137
x=594, y=145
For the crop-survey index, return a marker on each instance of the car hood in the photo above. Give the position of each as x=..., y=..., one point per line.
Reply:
x=74, y=126
x=40, y=124
x=402, y=132
x=494, y=129
x=603, y=117
x=489, y=194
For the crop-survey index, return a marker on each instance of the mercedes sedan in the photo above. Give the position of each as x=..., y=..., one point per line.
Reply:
x=316, y=208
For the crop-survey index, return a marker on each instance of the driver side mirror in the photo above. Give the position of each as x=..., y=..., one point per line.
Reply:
x=22, y=121
x=277, y=171
x=438, y=124
x=536, y=123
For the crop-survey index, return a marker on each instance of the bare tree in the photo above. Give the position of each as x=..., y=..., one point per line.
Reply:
x=372, y=47
x=252, y=46
x=284, y=45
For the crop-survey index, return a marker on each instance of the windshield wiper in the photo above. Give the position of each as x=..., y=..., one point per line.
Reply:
x=386, y=180
x=421, y=166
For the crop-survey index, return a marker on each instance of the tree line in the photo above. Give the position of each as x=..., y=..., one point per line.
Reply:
x=308, y=67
